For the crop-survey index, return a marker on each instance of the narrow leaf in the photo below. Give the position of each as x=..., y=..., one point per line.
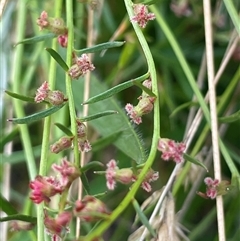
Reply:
x=231, y=118
x=98, y=115
x=20, y=97
x=58, y=58
x=91, y=165
x=36, y=116
x=183, y=106
x=195, y=161
x=6, y=206
x=144, y=88
x=20, y=217
x=36, y=39
x=85, y=183
x=100, y=47
x=143, y=218
x=64, y=129
x=110, y=92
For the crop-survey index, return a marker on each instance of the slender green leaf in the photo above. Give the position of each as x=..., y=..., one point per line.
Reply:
x=85, y=183
x=6, y=206
x=20, y=217
x=143, y=218
x=64, y=129
x=36, y=39
x=183, y=106
x=195, y=161
x=20, y=97
x=91, y=165
x=100, y=47
x=58, y=58
x=144, y=88
x=98, y=115
x=36, y=116
x=110, y=92
x=231, y=118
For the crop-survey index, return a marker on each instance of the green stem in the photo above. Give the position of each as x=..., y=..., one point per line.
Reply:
x=156, y=133
x=18, y=106
x=70, y=26
x=46, y=132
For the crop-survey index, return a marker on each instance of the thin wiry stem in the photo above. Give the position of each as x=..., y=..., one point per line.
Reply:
x=85, y=107
x=213, y=113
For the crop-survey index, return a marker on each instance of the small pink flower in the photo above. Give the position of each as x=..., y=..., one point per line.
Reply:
x=84, y=145
x=114, y=174
x=43, y=188
x=69, y=172
x=151, y=176
x=43, y=93
x=84, y=63
x=90, y=209
x=131, y=112
x=57, y=227
x=63, y=40
x=171, y=150
x=144, y=106
x=141, y=15
x=81, y=65
x=54, y=25
x=42, y=21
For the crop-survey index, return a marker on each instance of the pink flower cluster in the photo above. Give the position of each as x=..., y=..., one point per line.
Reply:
x=54, y=25
x=211, y=191
x=43, y=93
x=81, y=65
x=215, y=188
x=171, y=150
x=126, y=176
x=44, y=187
x=141, y=15
x=83, y=143
x=144, y=106
x=90, y=209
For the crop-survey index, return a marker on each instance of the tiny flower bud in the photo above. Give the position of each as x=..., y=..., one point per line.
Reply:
x=90, y=209
x=69, y=172
x=63, y=40
x=55, y=97
x=55, y=25
x=57, y=227
x=75, y=72
x=62, y=144
x=81, y=129
x=84, y=145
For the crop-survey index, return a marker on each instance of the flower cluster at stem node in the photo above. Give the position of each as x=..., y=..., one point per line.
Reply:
x=171, y=150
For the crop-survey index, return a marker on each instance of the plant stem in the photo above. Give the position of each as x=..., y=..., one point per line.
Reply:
x=70, y=26
x=156, y=133
x=213, y=113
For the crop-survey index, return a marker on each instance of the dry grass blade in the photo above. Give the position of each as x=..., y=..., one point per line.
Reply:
x=165, y=223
